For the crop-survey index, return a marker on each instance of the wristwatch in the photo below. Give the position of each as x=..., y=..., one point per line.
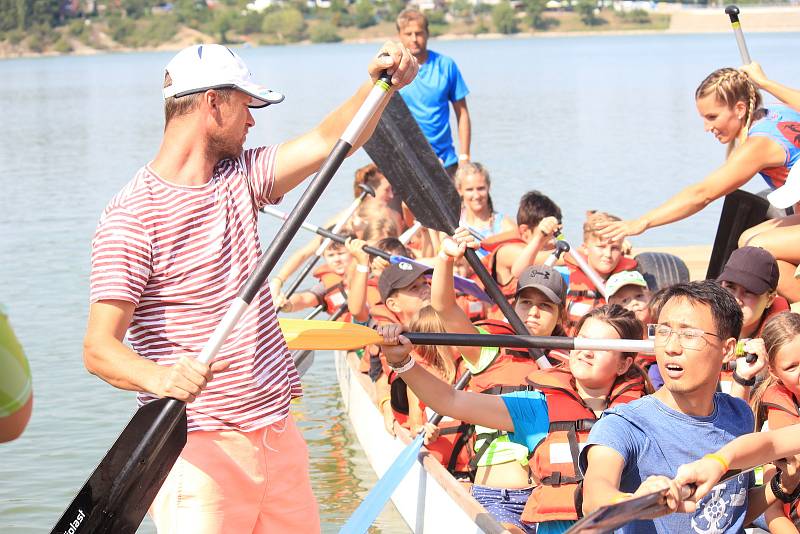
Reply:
x=775, y=484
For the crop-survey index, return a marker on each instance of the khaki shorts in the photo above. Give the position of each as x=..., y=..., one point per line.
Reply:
x=237, y=482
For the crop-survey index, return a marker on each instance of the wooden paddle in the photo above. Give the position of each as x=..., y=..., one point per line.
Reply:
x=330, y=335
x=405, y=157
x=121, y=489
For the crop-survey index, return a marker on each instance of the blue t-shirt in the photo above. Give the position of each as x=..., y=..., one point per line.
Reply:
x=428, y=97
x=528, y=411
x=782, y=125
x=654, y=439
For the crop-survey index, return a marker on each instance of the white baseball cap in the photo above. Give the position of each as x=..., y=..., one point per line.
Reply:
x=789, y=193
x=621, y=279
x=202, y=67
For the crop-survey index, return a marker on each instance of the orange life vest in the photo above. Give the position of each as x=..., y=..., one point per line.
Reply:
x=453, y=447
x=777, y=397
x=373, y=295
x=583, y=296
x=507, y=373
x=474, y=308
x=554, y=462
x=493, y=244
x=779, y=305
x=335, y=293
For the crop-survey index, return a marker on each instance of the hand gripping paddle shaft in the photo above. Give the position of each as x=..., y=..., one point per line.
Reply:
x=124, y=484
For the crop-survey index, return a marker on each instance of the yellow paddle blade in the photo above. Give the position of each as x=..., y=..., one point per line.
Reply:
x=326, y=335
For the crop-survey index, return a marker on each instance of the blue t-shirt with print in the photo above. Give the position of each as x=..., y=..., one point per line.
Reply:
x=528, y=411
x=428, y=97
x=654, y=439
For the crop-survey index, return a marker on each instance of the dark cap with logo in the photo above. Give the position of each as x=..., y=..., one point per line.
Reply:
x=753, y=268
x=400, y=275
x=545, y=279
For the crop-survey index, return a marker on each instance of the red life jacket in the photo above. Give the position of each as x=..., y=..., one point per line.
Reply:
x=583, y=296
x=554, y=462
x=779, y=305
x=493, y=244
x=507, y=373
x=453, y=447
x=474, y=308
x=335, y=294
x=777, y=397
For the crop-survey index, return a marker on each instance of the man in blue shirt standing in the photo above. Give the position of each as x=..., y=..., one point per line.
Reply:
x=438, y=84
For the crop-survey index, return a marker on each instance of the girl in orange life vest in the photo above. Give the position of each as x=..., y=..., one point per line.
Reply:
x=450, y=442
x=775, y=401
x=552, y=419
x=760, y=140
x=603, y=255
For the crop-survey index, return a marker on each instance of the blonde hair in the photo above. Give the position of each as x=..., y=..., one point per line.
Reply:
x=411, y=15
x=177, y=106
x=469, y=169
x=379, y=225
x=593, y=218
x=779, y=331
x=730, y=86
x=434, y=356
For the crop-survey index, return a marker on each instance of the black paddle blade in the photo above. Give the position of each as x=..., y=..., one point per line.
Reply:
x=741, y=210
x=121, y=489
x=403, y=154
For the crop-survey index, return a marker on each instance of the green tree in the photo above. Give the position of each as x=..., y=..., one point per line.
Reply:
x=364, y=14
x=535, y=11
x=285, y=24
x=461, y=8
x=393, y=8
x=324, y=32
x=249, y=23
x=135, y=9
x=504, y=18
x=586, y=9
x=222, y=23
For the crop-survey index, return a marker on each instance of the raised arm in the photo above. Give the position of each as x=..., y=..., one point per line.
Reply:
x=787, y=95
x=544, y=231
x=357, y=280
x=443, y=294
x=300, y=157
x=753, y=155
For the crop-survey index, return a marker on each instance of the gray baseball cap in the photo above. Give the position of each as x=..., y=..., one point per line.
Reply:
x=545, y=279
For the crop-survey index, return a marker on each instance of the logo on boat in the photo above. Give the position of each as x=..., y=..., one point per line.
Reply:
x=405, y=266
x=73, y=527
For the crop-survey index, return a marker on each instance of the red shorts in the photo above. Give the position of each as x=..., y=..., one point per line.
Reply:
x=239, y=482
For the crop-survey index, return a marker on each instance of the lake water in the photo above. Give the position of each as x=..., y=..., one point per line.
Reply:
x=595, y=122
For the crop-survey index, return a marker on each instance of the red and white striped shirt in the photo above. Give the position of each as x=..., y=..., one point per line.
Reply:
x=181, y=254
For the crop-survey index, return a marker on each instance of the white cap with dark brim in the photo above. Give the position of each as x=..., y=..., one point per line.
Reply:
x=202, y=67
x=789, y=193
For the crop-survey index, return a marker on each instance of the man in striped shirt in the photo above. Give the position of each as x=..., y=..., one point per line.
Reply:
x=169, y=255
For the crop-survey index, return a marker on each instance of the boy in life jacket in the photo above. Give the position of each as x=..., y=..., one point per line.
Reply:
x=551, y=419
x=507, y=247
x=751, y=276
x=330, y=288
x=629, y=290
x=776, y=403
x=604, y=256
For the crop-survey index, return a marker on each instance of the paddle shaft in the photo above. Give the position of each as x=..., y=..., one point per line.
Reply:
x=525, y=342
x=733, y=14
x=105, y=513
x=312, y=261
x=584, y=266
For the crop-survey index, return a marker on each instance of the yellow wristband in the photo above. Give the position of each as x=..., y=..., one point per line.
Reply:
x=718, y=458
x=621, y=497
x=384, y=400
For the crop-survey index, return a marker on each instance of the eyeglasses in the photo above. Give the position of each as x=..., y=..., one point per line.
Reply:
x=689, y=338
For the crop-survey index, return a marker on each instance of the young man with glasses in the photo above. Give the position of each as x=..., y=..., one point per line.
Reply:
x=636, y=448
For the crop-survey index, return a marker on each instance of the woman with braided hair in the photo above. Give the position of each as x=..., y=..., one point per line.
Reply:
x=760, y=140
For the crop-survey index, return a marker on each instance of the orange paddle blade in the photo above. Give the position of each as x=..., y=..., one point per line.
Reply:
x=326, y=335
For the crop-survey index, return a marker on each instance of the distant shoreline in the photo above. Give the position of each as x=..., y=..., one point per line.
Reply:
x=682, y=22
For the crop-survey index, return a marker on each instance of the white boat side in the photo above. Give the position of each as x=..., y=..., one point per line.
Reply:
x=429, y=499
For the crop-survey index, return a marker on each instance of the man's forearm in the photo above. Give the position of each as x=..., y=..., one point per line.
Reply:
x=464, y=132
x=120, y=366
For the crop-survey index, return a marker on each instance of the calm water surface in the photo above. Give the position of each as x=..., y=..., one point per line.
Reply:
x=595, y=122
